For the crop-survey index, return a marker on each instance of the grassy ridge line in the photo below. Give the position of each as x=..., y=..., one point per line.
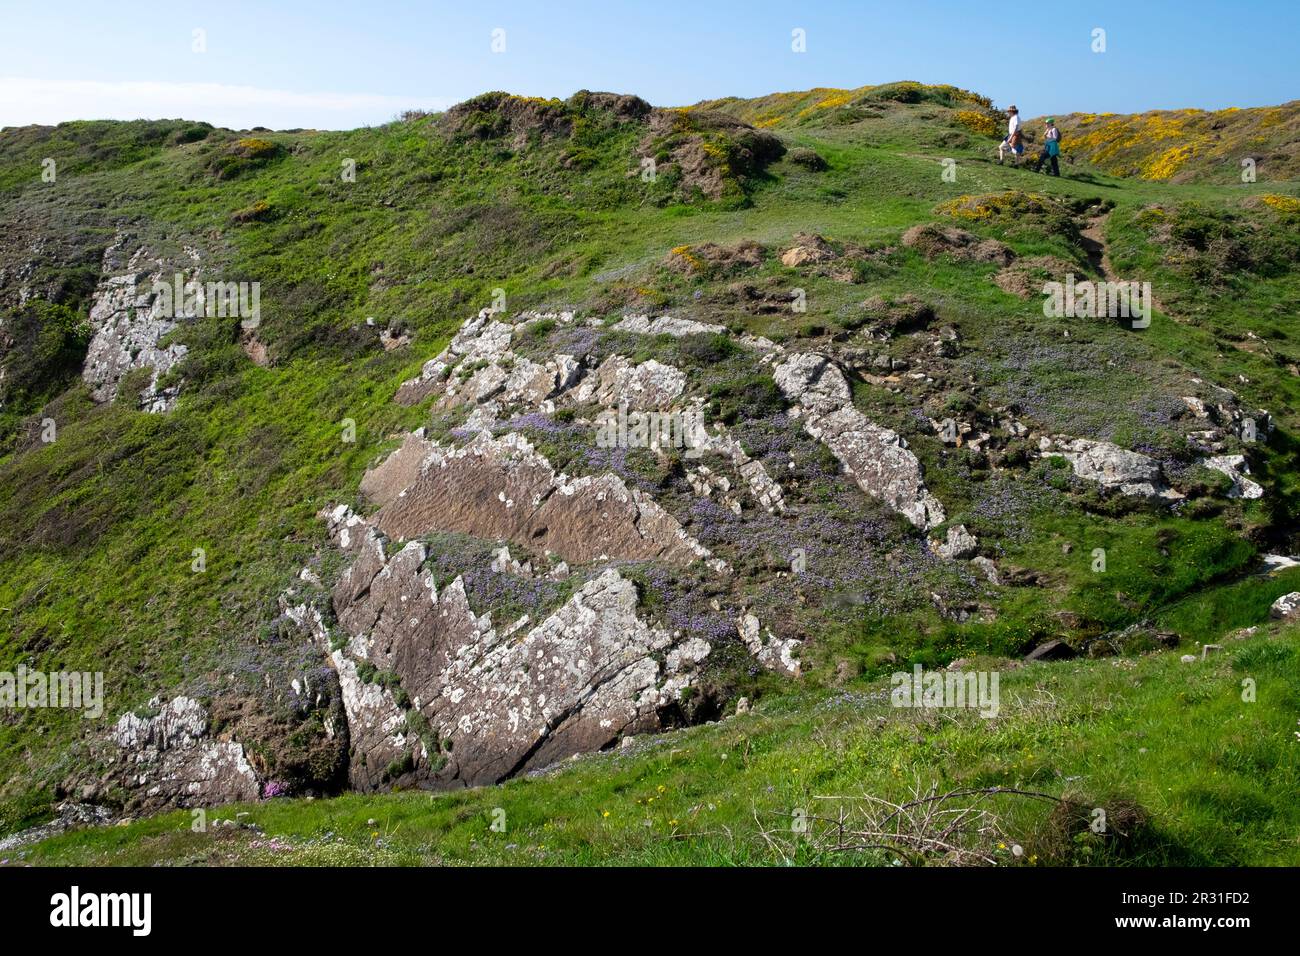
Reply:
x=1216, y=775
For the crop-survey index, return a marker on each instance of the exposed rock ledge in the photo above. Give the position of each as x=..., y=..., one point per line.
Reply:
x=168, y=759
x=876, y=458
x=495, y=702
x=127, y=327
x=500, y=488
x=1110, y=466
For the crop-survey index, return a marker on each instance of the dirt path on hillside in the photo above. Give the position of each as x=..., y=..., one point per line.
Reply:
x=1094, y=244
x=1097, y=249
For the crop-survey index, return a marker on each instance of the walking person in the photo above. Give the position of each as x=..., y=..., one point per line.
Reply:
x=1015, y=141
x=1051, y=149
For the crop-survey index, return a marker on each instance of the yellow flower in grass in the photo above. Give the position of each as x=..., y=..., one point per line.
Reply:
x=1281, y=203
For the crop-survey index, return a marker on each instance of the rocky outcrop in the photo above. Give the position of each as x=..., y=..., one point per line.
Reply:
x=169, y=759
x=1223, y=422
x=766, y=491
x=959, y=545
x=480, y=368
x=1286, y=608
x=500, y=488
x=493, y=702
x=481, y=339
x=648, y=386
x=1235, y=467
x=1112, y=467
x=381, y=750
x=128, y=326
x=505, y=564
x=877, y=458
x=67, y=816
x=769, y=650
x=667, y=325
x=987, y=568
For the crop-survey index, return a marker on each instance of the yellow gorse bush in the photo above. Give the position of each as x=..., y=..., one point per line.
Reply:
x=256, y=147
x=1287, y=204
x=1162, y=145
x=1167, y=163
x=978, y=122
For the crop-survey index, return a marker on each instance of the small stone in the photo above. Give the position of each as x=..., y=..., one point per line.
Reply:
x=742, y=705
x=987, y=568
x=1054, y=650
x=959, y=545
x=1286, y=608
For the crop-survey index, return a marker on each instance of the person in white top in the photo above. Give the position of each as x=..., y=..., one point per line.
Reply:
x=1015, y=142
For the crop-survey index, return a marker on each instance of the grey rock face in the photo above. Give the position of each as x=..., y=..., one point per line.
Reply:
x=988, y=569
x=959, y=546
x=1110, y=466
x=766, y=491
x=128, y=326
x=170, y=760
x=382, y=751
x=1235, y=467
x=1286, y=608
x=480, y=368
x=497, y=701
x=769, y=650
x=812, y=381
x=876, y=458
x=667, y=325
x=69, y=816
x=650, y=385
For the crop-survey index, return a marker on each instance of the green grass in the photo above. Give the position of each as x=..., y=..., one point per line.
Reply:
x=1106, y=733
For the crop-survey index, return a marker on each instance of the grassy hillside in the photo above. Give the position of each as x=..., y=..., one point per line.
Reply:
x=798, y=781
x=547, y=201
x=1188, y=146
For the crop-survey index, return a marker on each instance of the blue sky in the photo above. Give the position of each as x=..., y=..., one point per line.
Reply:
x=331, y=64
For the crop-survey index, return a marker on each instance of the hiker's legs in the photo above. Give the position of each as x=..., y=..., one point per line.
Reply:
x=1056, y=167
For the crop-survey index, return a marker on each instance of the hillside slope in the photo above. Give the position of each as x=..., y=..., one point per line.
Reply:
x=877, y=451
x=1188, y=146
